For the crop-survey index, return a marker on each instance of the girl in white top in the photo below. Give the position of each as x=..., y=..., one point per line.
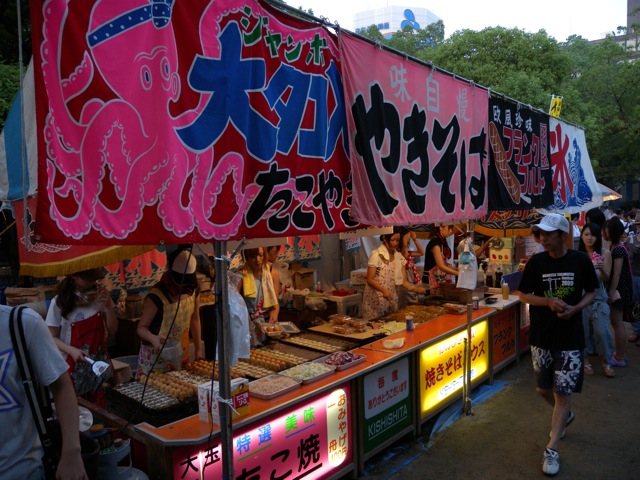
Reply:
x=385, y=273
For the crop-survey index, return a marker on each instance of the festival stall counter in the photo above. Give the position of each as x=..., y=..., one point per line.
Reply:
x=386, y=397
x=321, y=412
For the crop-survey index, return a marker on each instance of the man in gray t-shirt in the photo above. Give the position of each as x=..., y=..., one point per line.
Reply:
x=21, y=452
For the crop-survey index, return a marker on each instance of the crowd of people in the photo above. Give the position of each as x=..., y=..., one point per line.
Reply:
x=578, y=299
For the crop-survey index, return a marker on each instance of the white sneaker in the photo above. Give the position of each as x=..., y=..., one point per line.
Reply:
x=550, y=461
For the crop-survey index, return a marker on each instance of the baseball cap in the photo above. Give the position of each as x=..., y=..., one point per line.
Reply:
x=551, y=222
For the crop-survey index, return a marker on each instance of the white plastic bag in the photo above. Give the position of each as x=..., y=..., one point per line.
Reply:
x=240, y=346
x=467, y=267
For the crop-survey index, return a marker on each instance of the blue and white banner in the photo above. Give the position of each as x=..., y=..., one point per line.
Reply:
x=11, y=144
x=574, y=183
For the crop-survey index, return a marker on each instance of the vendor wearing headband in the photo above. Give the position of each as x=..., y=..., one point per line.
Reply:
x=169, y=312
x=77, y=318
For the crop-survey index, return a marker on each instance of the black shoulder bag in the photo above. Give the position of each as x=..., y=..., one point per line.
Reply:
x=47, y=426
x=37, y=395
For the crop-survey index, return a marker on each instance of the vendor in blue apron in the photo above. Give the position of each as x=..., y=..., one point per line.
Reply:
x=80, y=317
x=170, y=313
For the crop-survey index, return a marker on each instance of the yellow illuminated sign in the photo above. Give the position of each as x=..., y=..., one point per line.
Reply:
x=441, y=372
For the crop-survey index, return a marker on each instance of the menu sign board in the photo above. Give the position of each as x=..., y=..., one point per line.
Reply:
x=441, y=366
x=503, y=335
x=387, y=408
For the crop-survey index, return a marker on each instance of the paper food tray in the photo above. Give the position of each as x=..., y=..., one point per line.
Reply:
x=275, y=393
x=306, y=381
x=358, y=358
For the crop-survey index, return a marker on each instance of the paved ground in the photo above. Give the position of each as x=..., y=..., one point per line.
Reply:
x=507, y=433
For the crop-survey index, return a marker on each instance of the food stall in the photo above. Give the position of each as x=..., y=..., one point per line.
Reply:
x=324, y=423
x=184, y=169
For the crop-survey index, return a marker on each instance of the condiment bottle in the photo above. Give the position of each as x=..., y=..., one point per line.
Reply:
x=481, y=276
x=498, y=277
x=409, y=321
x=319, y=287
x=505, y=290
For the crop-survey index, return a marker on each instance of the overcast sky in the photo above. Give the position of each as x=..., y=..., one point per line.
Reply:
x=560, y=18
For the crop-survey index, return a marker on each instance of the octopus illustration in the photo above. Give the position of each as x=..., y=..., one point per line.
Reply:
x=127, y=144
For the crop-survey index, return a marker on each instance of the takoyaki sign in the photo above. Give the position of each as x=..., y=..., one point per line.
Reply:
x=185, y=121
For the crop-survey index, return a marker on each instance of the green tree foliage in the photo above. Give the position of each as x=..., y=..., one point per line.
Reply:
x=409, y=40
x=9, y=44
x=413, y=42
x=524, y=66
x=604, y=89
x=9, y=85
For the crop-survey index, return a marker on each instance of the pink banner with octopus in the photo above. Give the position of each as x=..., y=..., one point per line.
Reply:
x=186, y=121
x=418, y=139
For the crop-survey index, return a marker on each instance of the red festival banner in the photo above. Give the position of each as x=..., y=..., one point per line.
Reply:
x=41, y=260
x=418, y=139
x=186, y=122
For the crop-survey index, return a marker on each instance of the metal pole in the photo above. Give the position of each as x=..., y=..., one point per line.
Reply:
x=224, y=376
x=466, y=371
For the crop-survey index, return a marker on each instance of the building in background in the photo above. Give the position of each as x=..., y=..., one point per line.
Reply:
x=390, y=19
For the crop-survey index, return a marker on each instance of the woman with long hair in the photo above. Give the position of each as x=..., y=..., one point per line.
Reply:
x=79, y=318
x=620, y=288
x=385, y=274
x=406, y=238
x=596, y=316
x=436, y=256
x=257, y=287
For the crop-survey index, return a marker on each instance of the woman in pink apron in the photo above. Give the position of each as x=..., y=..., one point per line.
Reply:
x=169, y=313
x=79, y=319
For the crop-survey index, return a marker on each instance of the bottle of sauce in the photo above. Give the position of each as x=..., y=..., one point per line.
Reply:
x=498, y=277
x=319, y=287
x=505, y=290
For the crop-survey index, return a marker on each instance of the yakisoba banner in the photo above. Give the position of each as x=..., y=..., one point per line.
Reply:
x=186, y=121
x=418, y=139
x=520, y=166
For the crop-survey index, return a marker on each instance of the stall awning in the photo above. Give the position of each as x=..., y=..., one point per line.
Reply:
x=608, y=193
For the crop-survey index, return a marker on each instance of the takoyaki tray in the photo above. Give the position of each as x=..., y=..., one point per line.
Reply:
x=308, y=355
x=321, y=343
x=157, y=407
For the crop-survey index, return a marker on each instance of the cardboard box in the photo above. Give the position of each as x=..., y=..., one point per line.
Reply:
x=350, y=305
x=503, y=255
x=208, y=408
x=304, y=278
x=358, y=276
x=122, y=371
